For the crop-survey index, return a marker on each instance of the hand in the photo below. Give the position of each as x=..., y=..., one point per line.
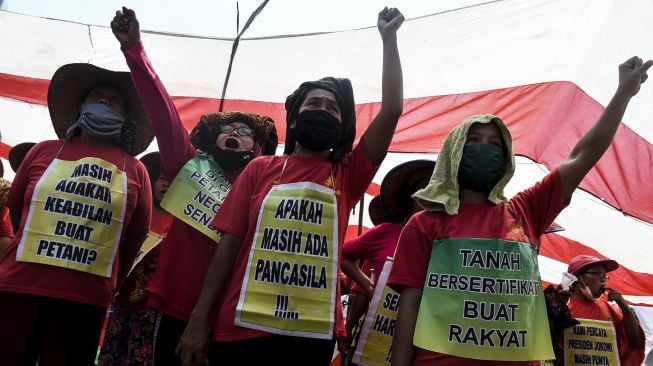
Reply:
x=369, y=289
x=632, y=74
x=561, y=295
x=389, y=21
x=616, y=296
x=367, y=285
x=126, y=28
x=344, y=344
x=194, y=343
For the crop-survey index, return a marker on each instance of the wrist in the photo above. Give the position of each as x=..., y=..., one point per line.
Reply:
x=128, y=44
x=198, y=315
x=389, y=36
x=622, y=95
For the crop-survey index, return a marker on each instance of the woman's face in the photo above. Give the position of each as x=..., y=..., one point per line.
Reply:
x=320, y=99
x=160, y=188
x=108, y=96
x=240, y=137
x=485, y=133
x=595, y=278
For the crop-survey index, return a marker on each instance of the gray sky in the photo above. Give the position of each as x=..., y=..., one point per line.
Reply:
x=217, y=18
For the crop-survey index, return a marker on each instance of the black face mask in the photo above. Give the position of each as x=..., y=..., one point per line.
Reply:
x=317, y=130
x=481, y=167
x=230, y=160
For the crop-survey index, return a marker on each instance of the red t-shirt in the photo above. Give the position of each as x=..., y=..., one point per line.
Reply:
x=534, y=209
x=239, y=215
x=185, y=253
x=6, y=229
x=374, y=246
x=63, y=283
x=601, y=310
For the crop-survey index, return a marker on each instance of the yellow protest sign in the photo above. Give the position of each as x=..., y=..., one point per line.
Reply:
x=290, y=284
x=375, y=343
x=592, y=342
x=75, y=217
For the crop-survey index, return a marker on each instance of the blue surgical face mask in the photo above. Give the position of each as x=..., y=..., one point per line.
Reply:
x=481, y=167
x=100, y=121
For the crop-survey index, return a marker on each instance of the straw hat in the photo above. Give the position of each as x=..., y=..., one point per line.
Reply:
x=71, y=83
x=376, y=211
x=395, y=202
x=17, y=154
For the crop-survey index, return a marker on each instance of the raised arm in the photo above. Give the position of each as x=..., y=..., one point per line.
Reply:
x=172, y=136
x=378, y=135
x=596, y=141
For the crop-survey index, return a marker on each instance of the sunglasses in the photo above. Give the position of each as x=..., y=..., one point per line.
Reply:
x=241, y=131
x=602, y=275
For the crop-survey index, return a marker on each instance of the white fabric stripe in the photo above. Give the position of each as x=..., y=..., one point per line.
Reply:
x=587, y=220
x=21, y=122
x=525, y=42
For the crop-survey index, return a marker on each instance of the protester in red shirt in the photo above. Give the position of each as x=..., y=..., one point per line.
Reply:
x=588, y=301
x=227, y=142
x=445, y=265
x=81, y=208
x=275, y=272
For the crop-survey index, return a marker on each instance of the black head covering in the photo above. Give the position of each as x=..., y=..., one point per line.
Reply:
x=17, y=154
x=152, y=162
x=344, y=93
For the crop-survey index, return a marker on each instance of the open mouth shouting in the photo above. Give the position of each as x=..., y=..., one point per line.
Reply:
x=232, y=143
x=236, y=136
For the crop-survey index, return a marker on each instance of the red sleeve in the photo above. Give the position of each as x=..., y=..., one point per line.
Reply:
x=540, y=204
x=234, y=214
x=361, y=173
x=412, y=255
x=141, y=216
x=366, y=245
x=629, y=355
x=16, y=198
x=172, y=137
x=5, y=224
